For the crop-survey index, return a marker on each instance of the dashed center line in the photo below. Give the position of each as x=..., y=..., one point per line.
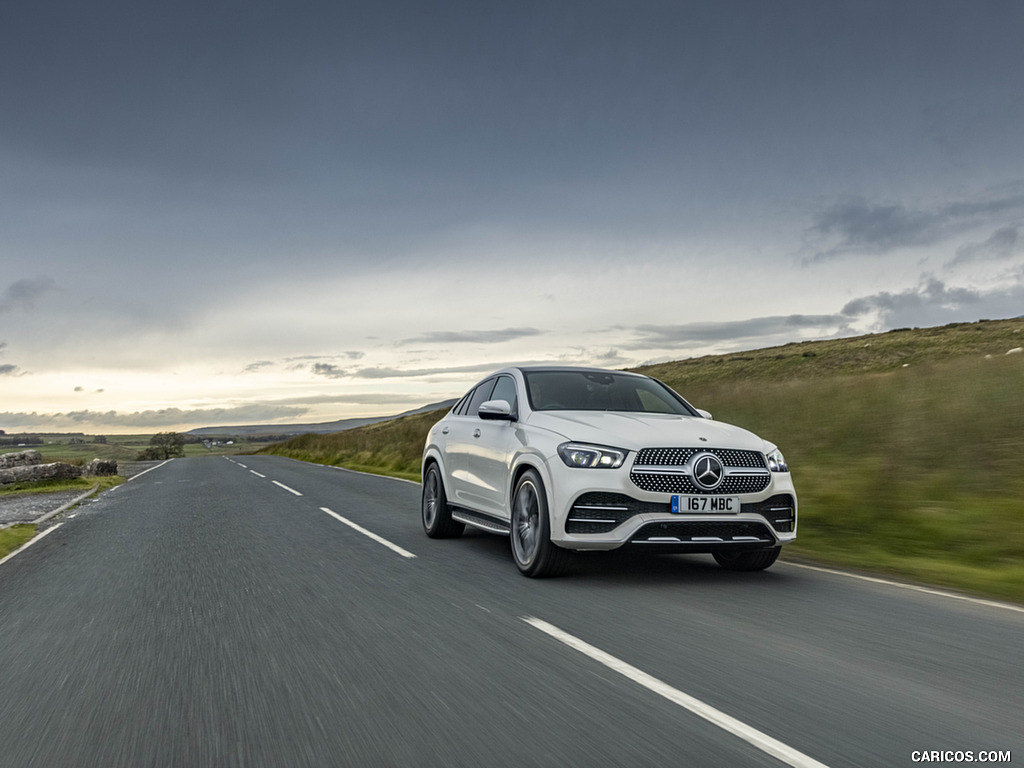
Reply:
x=256, y=473
x=370, y=534
x=751, y=735
x=243, y=466
x=282, y=485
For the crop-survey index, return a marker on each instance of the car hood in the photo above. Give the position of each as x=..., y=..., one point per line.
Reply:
x=633, y=431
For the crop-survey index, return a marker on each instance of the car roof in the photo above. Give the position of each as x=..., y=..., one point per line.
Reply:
x=570, y=369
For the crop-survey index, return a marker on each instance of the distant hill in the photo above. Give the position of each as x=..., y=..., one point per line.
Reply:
x=319, y=428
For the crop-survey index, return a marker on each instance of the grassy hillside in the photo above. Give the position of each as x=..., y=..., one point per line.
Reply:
x=909, y=470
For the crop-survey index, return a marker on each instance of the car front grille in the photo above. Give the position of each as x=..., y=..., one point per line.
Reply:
x=665, y=470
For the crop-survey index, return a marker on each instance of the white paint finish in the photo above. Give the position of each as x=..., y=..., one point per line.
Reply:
x=256, y=473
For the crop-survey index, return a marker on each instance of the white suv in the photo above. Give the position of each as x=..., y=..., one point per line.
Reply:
x=562, y=459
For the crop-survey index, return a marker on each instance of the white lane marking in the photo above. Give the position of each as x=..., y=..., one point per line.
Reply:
x=30, y=542
x=148, y=470
x=256, y=473
x=751, y=735
x=243, y=466
x=912, y=587
x=371, y=534
x=290, y=490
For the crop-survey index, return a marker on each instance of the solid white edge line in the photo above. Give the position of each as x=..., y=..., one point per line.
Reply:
x=29, y=543
x=912, y=587
x=256, y=473
x=282, y=485
x=148, y=470
x=751, y=735
x=371, y=534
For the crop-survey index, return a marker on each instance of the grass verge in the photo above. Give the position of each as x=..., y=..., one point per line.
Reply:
x=82, y=484
x=14, y=537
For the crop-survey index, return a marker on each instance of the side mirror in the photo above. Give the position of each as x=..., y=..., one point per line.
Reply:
x=496, y=410
x=705, y=414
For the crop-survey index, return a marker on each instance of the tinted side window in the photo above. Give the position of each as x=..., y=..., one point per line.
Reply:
x=480, y=395
x=460, y=407
x=505, y=390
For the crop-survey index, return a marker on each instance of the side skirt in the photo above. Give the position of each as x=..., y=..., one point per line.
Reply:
x=481, y=520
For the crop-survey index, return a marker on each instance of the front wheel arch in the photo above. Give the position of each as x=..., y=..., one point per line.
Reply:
x=533, y=551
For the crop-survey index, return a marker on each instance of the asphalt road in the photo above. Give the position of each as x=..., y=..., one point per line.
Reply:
x=204, y=615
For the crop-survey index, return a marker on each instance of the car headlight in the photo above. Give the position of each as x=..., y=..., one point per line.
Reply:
x=777, y=462
x=590, y=456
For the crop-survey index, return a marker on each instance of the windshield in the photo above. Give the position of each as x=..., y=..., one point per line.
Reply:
x=600, y=391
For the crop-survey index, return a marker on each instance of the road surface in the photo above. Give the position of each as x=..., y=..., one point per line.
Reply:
x=257, y=611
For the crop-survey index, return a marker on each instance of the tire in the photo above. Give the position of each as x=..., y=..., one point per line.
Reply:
x=434, y=510
x=534, y=553
x=757, y=560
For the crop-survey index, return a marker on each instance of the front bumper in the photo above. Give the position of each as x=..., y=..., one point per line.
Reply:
x=603, y=509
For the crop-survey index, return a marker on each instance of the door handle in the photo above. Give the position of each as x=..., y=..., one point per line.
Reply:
x=476, y=433
x=444, y=431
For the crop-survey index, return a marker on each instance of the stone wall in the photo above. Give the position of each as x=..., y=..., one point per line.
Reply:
x=55, y=471
x=20, y=459
x=27, y=466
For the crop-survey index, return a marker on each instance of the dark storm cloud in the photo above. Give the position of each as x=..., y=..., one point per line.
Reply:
x=476, y=337
x=23, y=294
x=733, y=330
x=856, y=226
x=1003, y=244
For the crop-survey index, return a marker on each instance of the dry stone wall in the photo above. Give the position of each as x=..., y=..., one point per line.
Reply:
x=27, y=466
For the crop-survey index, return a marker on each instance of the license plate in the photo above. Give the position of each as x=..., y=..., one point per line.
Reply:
x=705, y=504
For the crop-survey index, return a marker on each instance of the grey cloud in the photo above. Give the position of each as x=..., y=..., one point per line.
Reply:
x=8, y=370
x=1001, y=245
x=932, y=292
x=328, y=370
x=390, y=373
x=934, y=303
x=358, y=398
x=856, y=226
x=349, y=355
x=23, y=294
x=733, y=330
x=258, y=365
x=79, y=389
x=477, y=337
x=165, y=417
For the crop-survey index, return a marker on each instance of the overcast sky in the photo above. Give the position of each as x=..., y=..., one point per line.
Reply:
x=228, y=212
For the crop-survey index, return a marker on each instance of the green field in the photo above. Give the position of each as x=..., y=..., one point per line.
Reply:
x=905, y=447
x=79, y=449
